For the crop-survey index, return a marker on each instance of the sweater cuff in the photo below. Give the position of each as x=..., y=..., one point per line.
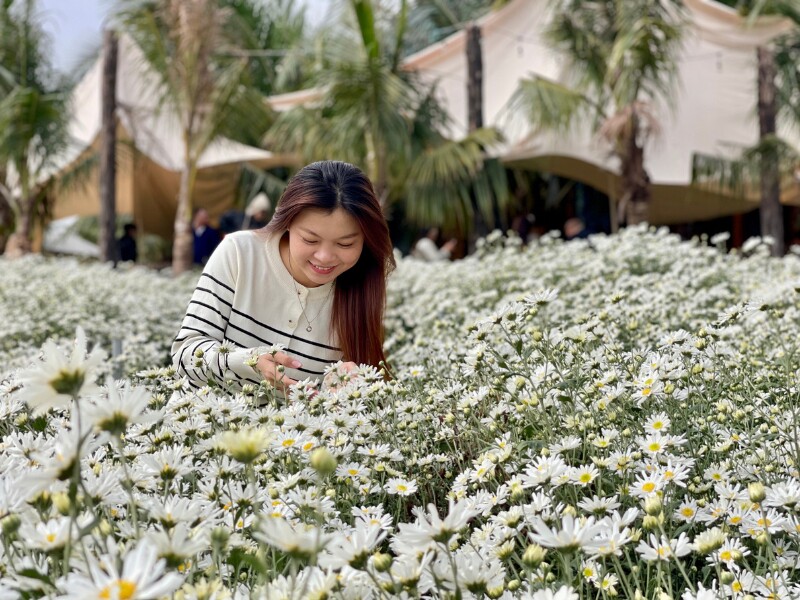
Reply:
x=237, y=361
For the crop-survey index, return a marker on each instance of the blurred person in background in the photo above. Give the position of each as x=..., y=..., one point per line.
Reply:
x=126, y=244
x=256, y=215
x=575, y=228
x=428, y=249
x=206, y=238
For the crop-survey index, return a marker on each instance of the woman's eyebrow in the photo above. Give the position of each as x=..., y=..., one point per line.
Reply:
x=344, y=237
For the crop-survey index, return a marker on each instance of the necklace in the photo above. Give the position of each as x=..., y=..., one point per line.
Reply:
x=303, y=308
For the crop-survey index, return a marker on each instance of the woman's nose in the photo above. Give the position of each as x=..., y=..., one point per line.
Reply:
x=323, y=253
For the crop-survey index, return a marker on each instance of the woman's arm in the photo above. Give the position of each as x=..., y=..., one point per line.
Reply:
x=201, y=351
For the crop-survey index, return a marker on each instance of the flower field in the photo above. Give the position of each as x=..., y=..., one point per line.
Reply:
x=613, y=417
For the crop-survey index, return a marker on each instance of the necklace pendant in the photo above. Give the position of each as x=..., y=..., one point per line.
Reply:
x=308, y=328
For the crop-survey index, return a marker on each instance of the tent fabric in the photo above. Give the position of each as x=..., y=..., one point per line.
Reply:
x=60, y=238
x=150, y=152
x=712, y=113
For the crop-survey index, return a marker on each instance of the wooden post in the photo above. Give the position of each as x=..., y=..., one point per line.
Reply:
x=108, y=144
x=770, y=211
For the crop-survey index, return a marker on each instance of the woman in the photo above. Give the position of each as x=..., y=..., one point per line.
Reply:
x=313, y=281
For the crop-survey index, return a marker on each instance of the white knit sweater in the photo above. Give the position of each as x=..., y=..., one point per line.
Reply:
x=246, y=301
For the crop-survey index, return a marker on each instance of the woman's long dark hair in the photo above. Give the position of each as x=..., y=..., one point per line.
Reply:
x=360, y=298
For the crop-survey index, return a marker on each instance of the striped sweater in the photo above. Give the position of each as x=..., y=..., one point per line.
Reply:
x=245, y=302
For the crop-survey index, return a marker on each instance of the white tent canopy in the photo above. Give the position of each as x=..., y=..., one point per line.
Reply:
x=154, y=127
x=147, y=179
x=713, y=111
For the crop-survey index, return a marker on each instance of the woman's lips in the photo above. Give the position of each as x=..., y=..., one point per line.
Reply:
x=321, y=270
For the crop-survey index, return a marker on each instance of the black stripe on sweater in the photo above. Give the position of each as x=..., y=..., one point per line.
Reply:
x=227, y=287
x=284, y=333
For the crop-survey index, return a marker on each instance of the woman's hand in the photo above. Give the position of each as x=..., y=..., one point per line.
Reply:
x=271, y=367
x=334, y=379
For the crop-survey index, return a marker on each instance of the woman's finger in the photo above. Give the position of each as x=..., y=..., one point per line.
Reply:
x=287, y=361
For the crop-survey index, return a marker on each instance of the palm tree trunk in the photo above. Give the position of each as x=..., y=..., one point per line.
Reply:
x=635, y=183
x=474, y=78
x=6, y=221
x=770, y=211
x=475, y=119
x=19, y=243
x=183, y=243
x=108, y=171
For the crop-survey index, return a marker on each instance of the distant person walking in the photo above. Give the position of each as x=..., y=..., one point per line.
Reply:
x=126, y=244
x=206, y=238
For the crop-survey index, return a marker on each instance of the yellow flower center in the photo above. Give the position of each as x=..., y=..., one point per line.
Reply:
x=402, y=488
x=586, y=477
x=288, y=442
x=51, y=537
x=687, y=511
x=658, y=425
x=649, y=487
x=647, y=391
x=126, y=590
x=654, y=447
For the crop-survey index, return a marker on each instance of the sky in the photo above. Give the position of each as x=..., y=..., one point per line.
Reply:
x=76, y=26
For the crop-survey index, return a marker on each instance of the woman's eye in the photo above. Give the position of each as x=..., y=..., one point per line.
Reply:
x=309, y=241
x=345, y=245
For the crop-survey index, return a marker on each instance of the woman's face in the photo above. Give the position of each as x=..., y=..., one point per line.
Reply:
x=323, y=245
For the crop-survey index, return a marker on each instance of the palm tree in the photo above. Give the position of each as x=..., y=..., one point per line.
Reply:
x=778, y=88
x=33, y=118
x=375, y=114
x=195, y=48
x=621, y=57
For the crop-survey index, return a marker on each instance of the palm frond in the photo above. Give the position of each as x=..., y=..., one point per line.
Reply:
x=366, y=26
x=450, y=180
x=740, y=176
x=551, y=105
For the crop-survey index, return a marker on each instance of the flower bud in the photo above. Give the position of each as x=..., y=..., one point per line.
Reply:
x=495, y=592
x=533, y=556
x=105, y=528
x=650, y=522
x=381, y=561
x=220, y=537
x=726, y=577
x=61, y=503
x=757, y=492
x=323, y=462
x=10, y=524
x=652, y=505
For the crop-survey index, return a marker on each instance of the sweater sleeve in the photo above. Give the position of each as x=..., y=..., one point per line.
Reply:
x=200, y=351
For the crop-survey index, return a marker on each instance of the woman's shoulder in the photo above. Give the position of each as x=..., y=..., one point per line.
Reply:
x=246, y=241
